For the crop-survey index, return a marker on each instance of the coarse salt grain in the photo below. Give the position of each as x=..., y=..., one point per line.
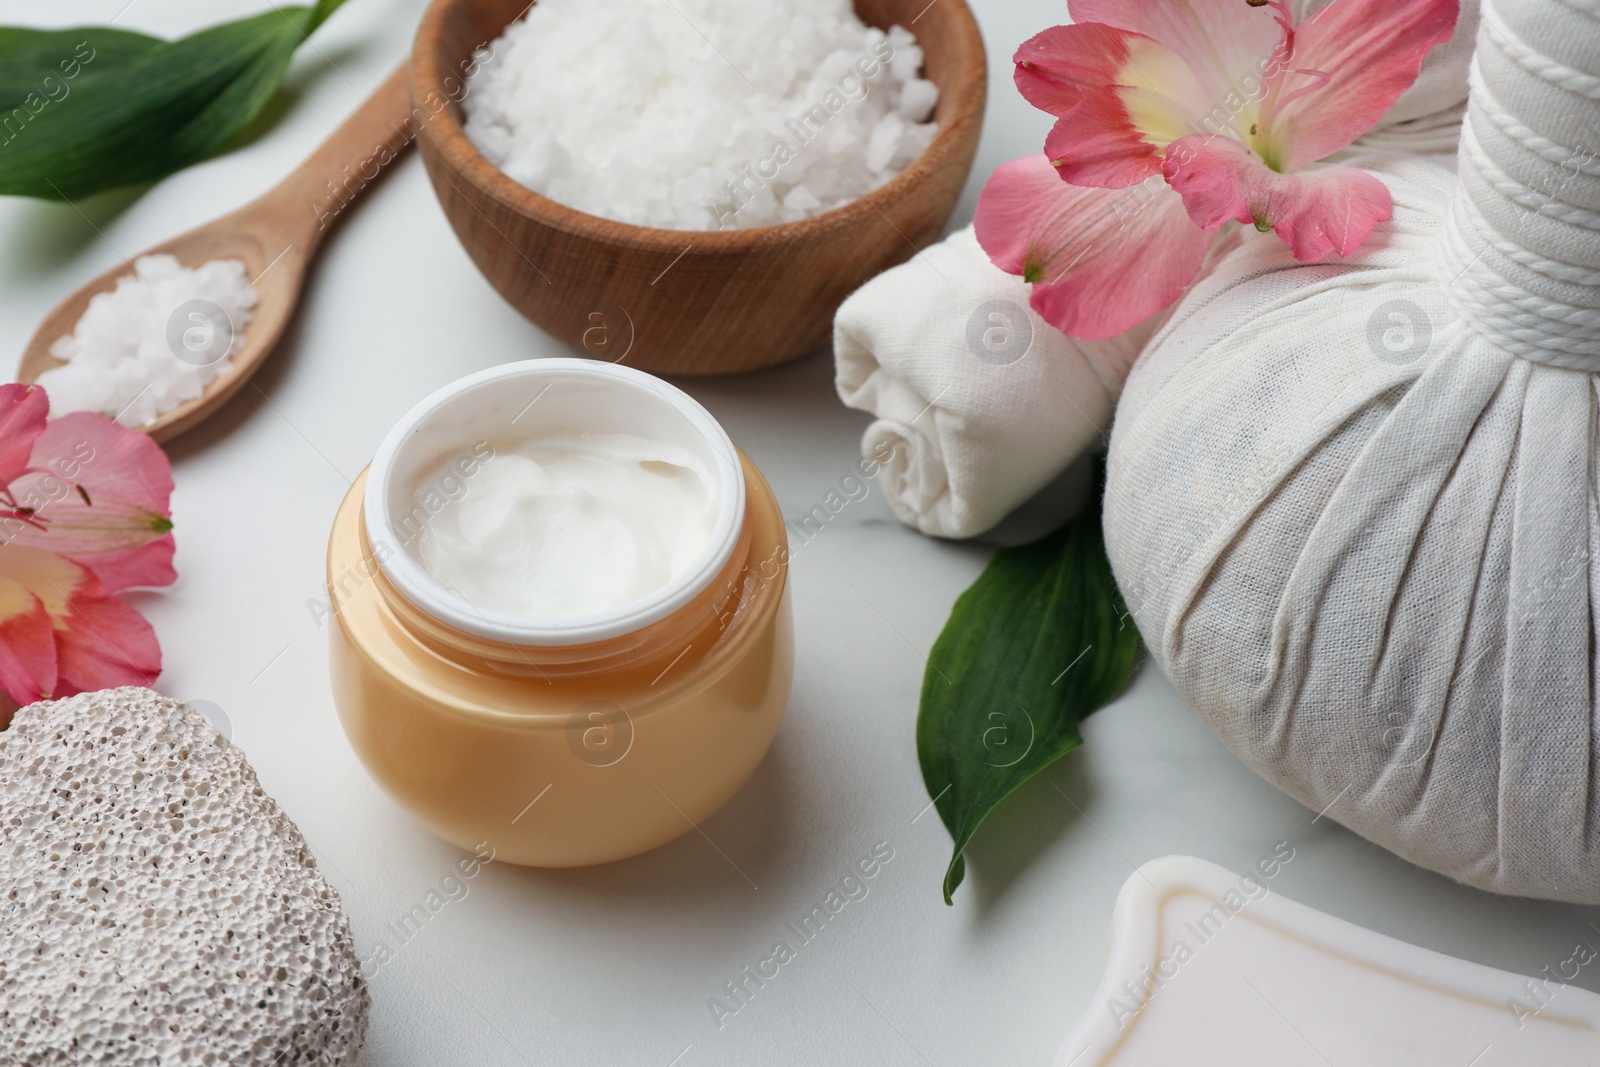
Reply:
x=153, y=342
x=700, y=114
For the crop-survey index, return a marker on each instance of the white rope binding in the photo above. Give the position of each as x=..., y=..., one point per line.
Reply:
x=1522, y=264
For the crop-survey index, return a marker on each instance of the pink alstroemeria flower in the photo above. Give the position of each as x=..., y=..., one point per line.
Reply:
x=1100, y=260
x=62, y=633
x=84, y=513
x=1228, y=104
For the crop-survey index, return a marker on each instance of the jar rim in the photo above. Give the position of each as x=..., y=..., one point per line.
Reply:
x=628, y=387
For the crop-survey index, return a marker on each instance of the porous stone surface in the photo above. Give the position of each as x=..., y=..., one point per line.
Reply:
x=156, y=906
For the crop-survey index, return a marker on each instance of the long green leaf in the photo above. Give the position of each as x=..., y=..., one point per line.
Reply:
x=1040, y=641
x=48, y=64
x=96, y=108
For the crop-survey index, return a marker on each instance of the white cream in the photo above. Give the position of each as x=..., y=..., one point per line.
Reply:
x=565, y=525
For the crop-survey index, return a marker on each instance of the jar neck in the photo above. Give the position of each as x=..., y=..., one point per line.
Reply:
x=647, y=649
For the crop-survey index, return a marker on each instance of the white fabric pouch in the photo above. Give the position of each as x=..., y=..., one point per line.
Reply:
x=1353, y=506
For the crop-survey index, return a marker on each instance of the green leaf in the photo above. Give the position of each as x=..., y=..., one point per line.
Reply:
x=1040, y=641
x=96, y=108
x=47, y=63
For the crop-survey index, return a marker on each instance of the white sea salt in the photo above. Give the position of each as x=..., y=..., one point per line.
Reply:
x=154, y=341
x=700, y=114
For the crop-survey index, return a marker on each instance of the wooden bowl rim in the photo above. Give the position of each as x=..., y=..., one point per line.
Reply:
x=460, y=156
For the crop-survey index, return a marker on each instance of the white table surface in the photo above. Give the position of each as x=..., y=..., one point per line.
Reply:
x=615, y=965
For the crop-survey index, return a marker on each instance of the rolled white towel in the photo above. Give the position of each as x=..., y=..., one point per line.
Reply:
x=983, y=401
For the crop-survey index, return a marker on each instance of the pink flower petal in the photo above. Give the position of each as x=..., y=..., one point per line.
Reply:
x=27, y=645
x=1115, y=133
x=113, y=460
x=1226, y=41
x=23, y=409
x=147, y=566
x=102, y=496
x=49, y=581
x=98, y=641
x=1366, y=53
x=106, y=644
x=1096, y=144
x=1317, y=210
x=1101, y=260
x=1059, y=67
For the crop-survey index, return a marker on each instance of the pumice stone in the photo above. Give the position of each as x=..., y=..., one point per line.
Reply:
x=156, y=906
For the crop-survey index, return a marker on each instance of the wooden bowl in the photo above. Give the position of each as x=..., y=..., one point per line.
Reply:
x=685, y=301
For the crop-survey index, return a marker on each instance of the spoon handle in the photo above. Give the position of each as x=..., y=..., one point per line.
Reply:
x=311, y=199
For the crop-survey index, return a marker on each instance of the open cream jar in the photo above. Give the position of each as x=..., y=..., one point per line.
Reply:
x=561, y=607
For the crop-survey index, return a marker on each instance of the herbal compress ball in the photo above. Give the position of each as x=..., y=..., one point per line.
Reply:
x=1353, y=505
x=156, y=907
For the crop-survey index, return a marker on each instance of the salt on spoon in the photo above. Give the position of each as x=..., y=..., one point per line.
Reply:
x=119, y=362
x=274, y=239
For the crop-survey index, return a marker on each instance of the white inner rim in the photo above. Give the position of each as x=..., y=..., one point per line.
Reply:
x=475, y=408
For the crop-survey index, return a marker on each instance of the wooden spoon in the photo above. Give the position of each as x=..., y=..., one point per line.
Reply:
x=276, y=237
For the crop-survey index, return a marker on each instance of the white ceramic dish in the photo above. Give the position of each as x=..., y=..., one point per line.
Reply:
x=1210, y=968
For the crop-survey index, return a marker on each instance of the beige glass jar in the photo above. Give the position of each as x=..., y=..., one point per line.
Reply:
x=561, y=741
